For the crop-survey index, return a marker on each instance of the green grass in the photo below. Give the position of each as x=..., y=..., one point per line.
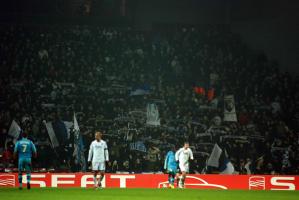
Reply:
x=129, y=194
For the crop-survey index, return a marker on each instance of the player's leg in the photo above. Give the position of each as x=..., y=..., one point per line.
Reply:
x=95, y=169
x=183, y=179
x=20, y=179
x=20, y=169
x=95, y=173
x=169, y=174
x=28, y=172
x=184, y=174
x=102, y=175
x=171, y=179
x=177, y=176
x=102, y=168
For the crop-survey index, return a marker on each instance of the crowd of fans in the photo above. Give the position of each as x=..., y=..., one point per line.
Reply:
x=49, y=72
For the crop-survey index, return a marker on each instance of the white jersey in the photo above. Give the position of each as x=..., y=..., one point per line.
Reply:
x=98, y=151
x=183, y=156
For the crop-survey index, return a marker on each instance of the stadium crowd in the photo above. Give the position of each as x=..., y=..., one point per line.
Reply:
x=109, y=75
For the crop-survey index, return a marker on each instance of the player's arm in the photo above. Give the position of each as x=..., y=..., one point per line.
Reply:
x=191, y=155
x=177, y=155
x=15, y=152
x=33, y=148
x=166, y=161
x=106, y=152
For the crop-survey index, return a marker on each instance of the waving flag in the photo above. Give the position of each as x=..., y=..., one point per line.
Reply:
x=219, y=162
x=138, y=146
x=152, y=115
x=14, y=130
x=51, y=134
x=78, y=146
x=58, y=132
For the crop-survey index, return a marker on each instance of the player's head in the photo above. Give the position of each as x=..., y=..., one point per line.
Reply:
x=172, y=148
x=98, y=135
x=186, y=145
x=24, y=134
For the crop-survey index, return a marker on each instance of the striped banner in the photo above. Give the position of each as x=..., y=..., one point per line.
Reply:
x=7, y=180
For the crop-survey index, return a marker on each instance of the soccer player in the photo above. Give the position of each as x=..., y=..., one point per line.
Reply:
x=98, y=156
x=170, y=165
x=183, y=156
x=24, y=148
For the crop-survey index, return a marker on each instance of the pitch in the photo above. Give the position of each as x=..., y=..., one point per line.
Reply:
x=129, y=194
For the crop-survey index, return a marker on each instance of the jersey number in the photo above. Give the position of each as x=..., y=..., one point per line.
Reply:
x=24, y=148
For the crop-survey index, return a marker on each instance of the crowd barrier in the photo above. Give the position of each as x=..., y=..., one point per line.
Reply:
x=220, y=182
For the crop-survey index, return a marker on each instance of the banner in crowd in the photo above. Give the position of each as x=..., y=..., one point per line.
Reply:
x=138, y=146
x=200, y=90
x=152, y=115
x=14, y=130
x=229, y=109
x=220, y=182
x=141, y=90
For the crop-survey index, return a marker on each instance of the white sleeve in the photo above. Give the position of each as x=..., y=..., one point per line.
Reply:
x=177, y=154
x=191, y=154
x=106, y=152
x=90, y=153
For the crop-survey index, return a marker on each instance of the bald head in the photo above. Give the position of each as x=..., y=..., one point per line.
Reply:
x=98, y=135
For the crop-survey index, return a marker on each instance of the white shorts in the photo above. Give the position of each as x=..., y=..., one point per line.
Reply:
x=98, y=166
x=184, y=167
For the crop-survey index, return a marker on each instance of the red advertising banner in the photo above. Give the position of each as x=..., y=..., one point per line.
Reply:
x=221, y=182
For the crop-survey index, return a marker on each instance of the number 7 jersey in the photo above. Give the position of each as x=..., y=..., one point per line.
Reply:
x=25, y=148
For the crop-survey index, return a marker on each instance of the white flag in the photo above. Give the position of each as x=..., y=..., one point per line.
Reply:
x=76, y=126
x=14, y=130
x=78, y=146
x=51, y=134
x=218, y=159
x=152, y=115
x=229, y=109
x=68, y=126
x=138, y=146
x=214, y=157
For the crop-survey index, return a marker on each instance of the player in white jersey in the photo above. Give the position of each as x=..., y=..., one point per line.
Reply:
x=183, y=156
x=98, y=156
